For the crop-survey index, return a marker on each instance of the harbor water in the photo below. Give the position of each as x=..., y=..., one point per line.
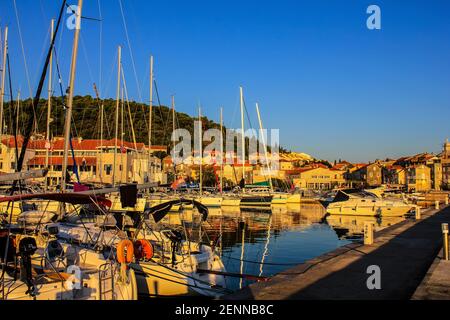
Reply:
x=262, y=243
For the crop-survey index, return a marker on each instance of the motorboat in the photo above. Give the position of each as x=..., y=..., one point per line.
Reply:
x=364, y=203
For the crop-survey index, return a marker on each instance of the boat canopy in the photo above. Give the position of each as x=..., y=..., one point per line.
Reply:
x=161, y=210
x=344, y=195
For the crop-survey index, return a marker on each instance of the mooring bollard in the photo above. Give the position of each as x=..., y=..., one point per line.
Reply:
x=445, y=240
x=418, y=216
x=436, y=204
x=368, y=232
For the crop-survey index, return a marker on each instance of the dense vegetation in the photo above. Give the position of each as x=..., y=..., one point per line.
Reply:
x=86, y=119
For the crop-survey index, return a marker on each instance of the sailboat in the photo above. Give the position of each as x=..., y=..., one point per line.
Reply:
x=251, y=197
x=176, y=262
x=33, y=249
x=45, y=260
x=209, y=200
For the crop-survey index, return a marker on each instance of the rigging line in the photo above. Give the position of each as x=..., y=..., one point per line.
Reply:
x=129, y=109
x=111, y=68
x=100, y=81
x=29, y=127
x=14, y=124
x=161, y=114
x=131, y=52
x=83, y=46
x=39, y=118
x=82, y=17
x=23, y=51
x=1, y=48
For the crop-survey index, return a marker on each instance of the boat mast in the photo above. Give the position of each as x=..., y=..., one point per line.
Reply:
x=119, y=62
x=150, y=119
x=173, y=130
x=221, y=150
x=242, y=134
x=100, y=151
x=70, y=95
x=2, y=88
x=200, y=149
x=49, y=102
x=261, y=131
x=122, y=134
x=17, y=114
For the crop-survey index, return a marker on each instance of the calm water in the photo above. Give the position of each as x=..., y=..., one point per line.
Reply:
x=265, y=243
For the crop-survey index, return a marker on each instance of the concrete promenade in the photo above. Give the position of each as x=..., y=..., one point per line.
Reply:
x=404, y=252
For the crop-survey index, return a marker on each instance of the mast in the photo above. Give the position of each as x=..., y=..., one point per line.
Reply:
x=119, y=62
x=242, y=135
x=173, y=130
x=17, y=114
x=121, y=143
x=101, y=141
x=100, y=151
x=150, y=119
x=200, y=149
x=264, y=146
x=173, y=115
x=49, y=102
x=70, y=96
x=2, y=88
x=221, y=151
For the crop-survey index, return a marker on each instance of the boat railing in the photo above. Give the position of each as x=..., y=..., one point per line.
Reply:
x=105, y=275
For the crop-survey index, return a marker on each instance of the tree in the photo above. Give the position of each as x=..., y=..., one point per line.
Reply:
x=209, y=177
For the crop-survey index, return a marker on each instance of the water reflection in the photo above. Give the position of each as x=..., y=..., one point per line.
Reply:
x=262, y=243
x=352, y=227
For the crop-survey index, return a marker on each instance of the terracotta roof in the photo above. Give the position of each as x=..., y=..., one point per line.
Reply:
x=78, y=144
x=40, y=160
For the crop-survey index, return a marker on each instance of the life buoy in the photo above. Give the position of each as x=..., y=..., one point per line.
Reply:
x=122, y=256
x=143, y=249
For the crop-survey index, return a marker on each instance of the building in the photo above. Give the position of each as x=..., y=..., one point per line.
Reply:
x=432, y=161
x=418, y=178
x=8, y=154
x=90, y=161
x=365, y=175
x=394, y=176
x=445, y=162
x=319, y=178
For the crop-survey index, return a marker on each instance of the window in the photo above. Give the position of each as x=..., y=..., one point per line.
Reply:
x=108, y=169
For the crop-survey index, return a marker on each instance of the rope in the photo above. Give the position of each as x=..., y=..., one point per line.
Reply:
x=131, y=51
x=161, y=114
x=23, y=52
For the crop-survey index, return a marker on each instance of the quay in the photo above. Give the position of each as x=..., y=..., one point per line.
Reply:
x=404, y=253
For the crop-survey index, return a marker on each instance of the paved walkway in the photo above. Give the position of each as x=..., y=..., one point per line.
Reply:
x=436, y=284
x=404, y=253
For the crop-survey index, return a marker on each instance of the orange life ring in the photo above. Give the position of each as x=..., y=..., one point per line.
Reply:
x=143, y=249
x=122, y=256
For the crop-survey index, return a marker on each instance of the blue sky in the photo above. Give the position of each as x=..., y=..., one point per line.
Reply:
x=334, y=88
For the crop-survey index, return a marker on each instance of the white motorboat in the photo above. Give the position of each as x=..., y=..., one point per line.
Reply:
x=364, y=203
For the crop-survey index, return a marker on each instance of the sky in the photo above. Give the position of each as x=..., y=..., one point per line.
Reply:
x=334, y=88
